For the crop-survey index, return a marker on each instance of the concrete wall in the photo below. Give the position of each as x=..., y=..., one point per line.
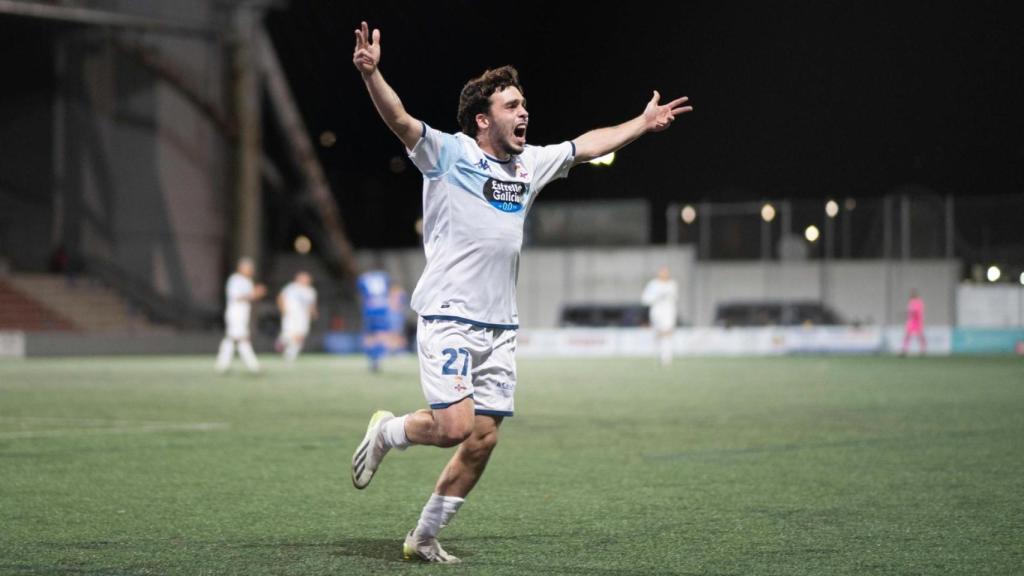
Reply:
x=869, y=292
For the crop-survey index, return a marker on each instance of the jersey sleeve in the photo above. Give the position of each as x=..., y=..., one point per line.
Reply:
x=650, y=294
x=435, y=152
x=551, y=162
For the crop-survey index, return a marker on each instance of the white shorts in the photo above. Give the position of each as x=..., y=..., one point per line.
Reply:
x=294, y=326
x=663, y=322
x=237, y=323
x=460, y=360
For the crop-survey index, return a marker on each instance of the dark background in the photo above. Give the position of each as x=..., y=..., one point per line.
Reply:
x=792, y=99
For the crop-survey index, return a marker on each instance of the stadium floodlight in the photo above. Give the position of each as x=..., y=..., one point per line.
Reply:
x=1022, y=278
x=303, y=244
x=831, y=208
x=993, y=273
x=812, y=233
x=849, y=204
x=327, y=138
x=767, y=212
x=689, y=214
x=605, y=160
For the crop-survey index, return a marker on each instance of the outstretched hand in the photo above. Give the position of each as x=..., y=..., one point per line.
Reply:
x=659, y=116
x=366, y=56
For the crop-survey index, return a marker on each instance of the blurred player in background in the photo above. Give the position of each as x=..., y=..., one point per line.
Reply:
x=297, y=303
x=241, y=293
x=397, y=305
x=915, y=323
x=373, y=287
x=478, y=186
x=661, y=294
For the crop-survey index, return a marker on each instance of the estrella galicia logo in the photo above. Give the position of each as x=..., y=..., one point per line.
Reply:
x=505, y=196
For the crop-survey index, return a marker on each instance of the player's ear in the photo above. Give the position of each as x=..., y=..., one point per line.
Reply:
x=483, y=121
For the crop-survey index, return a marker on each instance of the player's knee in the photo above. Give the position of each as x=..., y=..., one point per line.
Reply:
x=480, y=447
x=453, y=434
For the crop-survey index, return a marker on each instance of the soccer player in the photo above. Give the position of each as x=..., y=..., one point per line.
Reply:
x=241, y=293
x=661, y=294
x=297, y=303
x=373, y=287
x=478, y=186
x=396, y=318
x=915, y=323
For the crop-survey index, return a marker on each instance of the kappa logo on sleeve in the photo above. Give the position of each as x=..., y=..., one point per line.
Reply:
x=505, y=196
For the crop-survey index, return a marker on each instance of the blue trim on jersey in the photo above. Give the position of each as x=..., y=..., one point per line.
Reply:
x=472, y=322
x=443, y=405
x=424, y=133
x=573, y=144
x=482, y=412
x=493, y=159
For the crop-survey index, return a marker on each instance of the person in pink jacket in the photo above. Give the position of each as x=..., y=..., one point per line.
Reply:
x=915, y=322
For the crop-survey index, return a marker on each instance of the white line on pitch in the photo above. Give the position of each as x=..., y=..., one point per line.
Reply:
x=144, y=428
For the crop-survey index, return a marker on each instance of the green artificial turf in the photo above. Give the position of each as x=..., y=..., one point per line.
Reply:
x=742, y=466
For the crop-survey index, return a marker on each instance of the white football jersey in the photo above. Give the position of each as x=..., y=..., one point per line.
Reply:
x=474, y=207
x=239, y=289
x=299, y=300
x=661, y=296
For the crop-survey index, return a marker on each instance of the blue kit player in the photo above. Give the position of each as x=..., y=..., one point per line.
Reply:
x=373, y=287
x=478, y=186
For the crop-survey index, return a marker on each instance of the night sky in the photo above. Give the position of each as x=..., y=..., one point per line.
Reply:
x=792, y=99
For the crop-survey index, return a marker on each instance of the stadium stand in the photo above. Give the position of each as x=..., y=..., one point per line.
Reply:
x=83, y=305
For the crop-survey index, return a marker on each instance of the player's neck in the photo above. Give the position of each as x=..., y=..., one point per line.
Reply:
x=490, y=150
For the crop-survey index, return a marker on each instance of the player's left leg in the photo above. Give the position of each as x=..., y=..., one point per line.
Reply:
x=494, y=383
x=457, y=479
x=224, y=354
x=248, y=355
x=665, y=347
x=293, y=346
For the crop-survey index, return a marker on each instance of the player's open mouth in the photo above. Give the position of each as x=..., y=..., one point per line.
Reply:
x=520, y=132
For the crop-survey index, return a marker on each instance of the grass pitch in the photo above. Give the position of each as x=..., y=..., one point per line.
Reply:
x=610, y=467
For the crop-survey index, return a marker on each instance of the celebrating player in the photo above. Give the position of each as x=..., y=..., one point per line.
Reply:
x=661, y=294
x=478, y=186
x=297, y=303
x=241, y=293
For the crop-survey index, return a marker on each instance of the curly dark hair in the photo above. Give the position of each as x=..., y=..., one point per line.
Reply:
x=476, y=95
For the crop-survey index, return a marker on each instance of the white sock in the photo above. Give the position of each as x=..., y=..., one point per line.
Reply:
x=394, y=433
x=437, y=513
x=227, y=350
x=451, y=506
x=291, y=351
x=666, y=350
x=248, y=356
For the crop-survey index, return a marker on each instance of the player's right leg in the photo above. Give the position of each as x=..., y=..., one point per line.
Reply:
x=443, y=427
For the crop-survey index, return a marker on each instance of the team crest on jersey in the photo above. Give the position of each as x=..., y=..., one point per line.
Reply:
x=505, y=196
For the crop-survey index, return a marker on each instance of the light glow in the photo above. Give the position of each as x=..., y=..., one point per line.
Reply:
x=831, y=208
x=993, y=273
x=689, y=214
x=605, y=160
x=812, y=233
x=303, y=245
x=767, y=212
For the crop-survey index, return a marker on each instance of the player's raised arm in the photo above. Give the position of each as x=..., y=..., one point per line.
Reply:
x=655, y=118
x=366, y=58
